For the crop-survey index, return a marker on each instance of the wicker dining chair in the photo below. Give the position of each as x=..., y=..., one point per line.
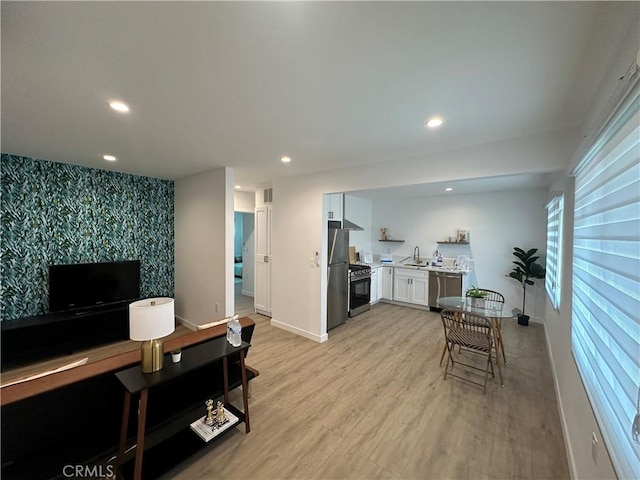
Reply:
x=494, y=296
x=474, y=333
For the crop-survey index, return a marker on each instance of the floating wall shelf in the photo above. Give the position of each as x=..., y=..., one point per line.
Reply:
x=394, y=241
x=453, y=243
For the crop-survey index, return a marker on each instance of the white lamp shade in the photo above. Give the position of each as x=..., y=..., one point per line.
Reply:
x=151, y=318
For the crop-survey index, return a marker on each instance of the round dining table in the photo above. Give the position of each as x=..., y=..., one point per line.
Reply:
x=496, y=311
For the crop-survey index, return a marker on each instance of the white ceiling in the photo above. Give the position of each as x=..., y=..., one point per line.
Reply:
x=459, y=187
x=331, y=84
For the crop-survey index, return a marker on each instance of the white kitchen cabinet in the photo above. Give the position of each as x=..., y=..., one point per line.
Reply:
x=411, y=286
x=374, y=296
x=386, y=281
x=335, y=207
x=262, y=298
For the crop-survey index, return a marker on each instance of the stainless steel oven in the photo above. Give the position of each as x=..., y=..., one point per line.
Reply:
x=359, y=289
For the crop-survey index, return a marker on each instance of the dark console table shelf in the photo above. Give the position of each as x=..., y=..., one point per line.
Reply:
x=176, y=425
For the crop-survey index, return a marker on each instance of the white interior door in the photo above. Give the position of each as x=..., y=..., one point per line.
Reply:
x=263, y=258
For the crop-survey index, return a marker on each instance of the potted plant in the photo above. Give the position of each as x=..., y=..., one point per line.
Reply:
x=526, y=269
x=477, y=296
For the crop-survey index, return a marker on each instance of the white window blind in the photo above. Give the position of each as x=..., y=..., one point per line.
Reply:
x=606, y=276
x=554, y=249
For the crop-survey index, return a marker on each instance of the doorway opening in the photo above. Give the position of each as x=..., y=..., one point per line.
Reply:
x=243, y=266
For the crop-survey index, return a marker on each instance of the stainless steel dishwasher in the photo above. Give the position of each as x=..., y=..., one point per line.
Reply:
x=443, y=284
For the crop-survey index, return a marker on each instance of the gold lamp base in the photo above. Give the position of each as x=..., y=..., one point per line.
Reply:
x=151, y=356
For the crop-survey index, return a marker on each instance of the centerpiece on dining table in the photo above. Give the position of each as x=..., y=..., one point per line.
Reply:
x=476, y=296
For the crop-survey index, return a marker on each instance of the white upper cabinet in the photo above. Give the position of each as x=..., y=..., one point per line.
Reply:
x=336, y=205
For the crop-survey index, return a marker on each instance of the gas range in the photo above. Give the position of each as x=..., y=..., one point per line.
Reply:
x=357, y=271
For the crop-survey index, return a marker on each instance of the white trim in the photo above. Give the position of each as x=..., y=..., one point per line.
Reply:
x=187, y=323
x=298, y=331
x=563, y=420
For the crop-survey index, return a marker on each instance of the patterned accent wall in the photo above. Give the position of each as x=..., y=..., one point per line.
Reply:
x=54, y=213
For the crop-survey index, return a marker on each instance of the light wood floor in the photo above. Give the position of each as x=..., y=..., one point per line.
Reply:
x=371, y=403
x=243, y=303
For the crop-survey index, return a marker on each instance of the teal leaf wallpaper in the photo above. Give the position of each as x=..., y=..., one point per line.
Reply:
x=55, y=213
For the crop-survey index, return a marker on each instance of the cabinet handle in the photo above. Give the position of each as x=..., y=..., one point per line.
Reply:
x=266, y=259
x=330, y=214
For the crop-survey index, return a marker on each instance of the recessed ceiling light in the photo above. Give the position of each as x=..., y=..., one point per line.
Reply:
x=448, y=189
x=238, y=187
x=109, y=158
x=119, y=107
x=434, y=122
x=285, y=159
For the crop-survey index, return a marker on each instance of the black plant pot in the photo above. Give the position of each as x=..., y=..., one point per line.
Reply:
x=523, y=320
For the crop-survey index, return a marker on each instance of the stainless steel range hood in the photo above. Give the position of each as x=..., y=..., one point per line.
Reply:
x=348, y=225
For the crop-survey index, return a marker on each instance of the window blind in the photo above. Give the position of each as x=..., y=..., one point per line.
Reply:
x=606, y=276
x=554, y=244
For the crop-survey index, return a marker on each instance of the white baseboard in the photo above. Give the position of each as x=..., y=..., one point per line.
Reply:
x=247, y=293
x=298, y=331
x=187, y=323
x=563, y=420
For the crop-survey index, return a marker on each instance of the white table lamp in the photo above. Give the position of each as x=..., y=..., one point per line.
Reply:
x=149, y=321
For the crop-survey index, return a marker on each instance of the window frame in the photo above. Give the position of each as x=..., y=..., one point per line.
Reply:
x=553, y=276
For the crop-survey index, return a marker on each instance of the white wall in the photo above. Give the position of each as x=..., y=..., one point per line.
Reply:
x=359, y=211
x=244, y=201
x=497, y=222
x=203, y=226
x=299, y=229
x=576, y=414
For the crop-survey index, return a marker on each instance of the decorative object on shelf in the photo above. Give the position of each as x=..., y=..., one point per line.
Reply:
x=463, y=236
x=207, y=432
x=383, y=234
x=526, y=269
x=209, y=420
x=453, y=239
x=176, y=355
x=149, y=321
x=218, y=419
x=220, y=416
x=476, y=296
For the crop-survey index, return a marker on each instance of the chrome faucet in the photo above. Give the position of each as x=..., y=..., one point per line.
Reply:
x=416, y=254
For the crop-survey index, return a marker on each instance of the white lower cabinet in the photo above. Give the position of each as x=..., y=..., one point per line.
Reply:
x=411, y=286
x=385, y=283
x=375, y=292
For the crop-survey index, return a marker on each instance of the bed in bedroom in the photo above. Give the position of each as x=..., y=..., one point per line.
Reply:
x=237, y=267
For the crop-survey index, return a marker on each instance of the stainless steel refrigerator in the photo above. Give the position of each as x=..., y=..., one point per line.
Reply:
x=337, y=277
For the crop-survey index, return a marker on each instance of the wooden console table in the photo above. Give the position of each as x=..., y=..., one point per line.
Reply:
x=193, y=360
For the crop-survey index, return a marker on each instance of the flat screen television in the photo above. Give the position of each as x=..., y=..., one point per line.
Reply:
x=91, y=285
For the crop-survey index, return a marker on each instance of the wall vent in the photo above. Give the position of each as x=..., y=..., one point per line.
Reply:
x=268, y=195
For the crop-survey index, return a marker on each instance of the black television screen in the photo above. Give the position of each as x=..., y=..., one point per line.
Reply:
x=85, y=285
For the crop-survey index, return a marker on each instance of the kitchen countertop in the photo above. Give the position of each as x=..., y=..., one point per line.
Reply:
x=415, y=267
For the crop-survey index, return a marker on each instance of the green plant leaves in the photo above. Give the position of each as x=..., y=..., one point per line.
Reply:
x=55, y=213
